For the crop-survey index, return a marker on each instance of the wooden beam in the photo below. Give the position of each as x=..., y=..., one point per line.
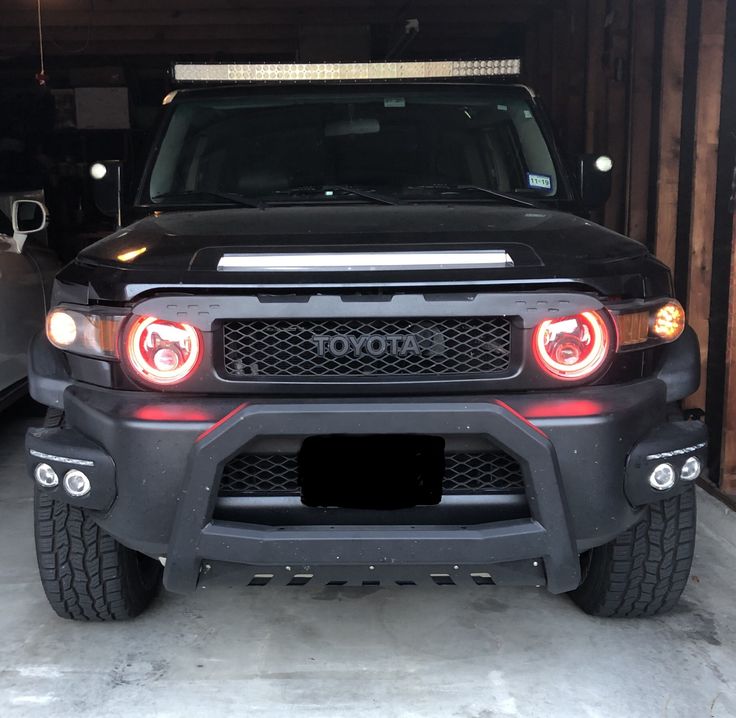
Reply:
x=640, y=118
x=728, y=445
x=201, y=15
x=543, y=56
x=595, y=93
x=567, y=27
x=9, y=36
x=707, y=127
x=670, y=127
x=574, y=90
x=617, y=74
x=308, y=6
x=212, y=48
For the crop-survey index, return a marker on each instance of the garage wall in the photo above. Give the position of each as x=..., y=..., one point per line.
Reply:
x=655, y=89
x=650, y=82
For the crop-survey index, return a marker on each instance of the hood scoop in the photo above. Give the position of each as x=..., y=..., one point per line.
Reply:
x=364, y=261
x=366, y=258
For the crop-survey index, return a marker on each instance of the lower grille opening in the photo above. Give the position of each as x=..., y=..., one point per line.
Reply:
x=487, y=471
x=371, y=472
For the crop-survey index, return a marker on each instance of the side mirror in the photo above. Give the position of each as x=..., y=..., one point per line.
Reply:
x=28, y=216
x=107, y=188
x=595, y=180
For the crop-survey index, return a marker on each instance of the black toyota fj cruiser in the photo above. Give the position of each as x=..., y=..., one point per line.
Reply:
x=363, y=332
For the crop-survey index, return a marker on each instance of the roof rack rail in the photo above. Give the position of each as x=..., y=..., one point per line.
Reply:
x=342, y=71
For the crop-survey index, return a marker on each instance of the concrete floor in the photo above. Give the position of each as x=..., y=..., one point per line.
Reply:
x=484, y=652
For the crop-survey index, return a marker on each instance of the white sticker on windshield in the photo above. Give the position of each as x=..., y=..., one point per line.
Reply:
x=394, y=102
x=534, y=181
x=503, y=108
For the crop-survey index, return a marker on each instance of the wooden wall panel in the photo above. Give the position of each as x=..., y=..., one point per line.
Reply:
x=670, y=126
x=617, y=78
x=572, y=110
x=707, y=126
x=728, y=446
x=642, y=64
x=596, y=137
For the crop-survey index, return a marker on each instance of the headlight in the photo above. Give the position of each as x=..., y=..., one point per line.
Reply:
x=82, y=330
x=162, y=352
x=573, y=347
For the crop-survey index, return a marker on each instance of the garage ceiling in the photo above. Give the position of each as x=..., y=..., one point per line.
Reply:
x=255, y=27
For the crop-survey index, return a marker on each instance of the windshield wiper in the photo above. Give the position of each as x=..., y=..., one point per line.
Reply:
x=364, y=193
x=501, y=196
x=232, y=198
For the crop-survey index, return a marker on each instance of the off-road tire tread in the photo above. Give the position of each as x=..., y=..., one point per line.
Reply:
x=644, y=570
x=86, y=574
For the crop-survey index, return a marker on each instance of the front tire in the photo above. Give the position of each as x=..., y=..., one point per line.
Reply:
x=643, y=571
x=86, y=574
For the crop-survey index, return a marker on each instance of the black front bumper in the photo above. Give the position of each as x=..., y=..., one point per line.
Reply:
x=584, y=455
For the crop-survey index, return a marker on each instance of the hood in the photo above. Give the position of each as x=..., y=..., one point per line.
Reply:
x=174, y=239
x=185, y=247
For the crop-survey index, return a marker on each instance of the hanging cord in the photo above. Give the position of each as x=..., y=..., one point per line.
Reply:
x=41, y=75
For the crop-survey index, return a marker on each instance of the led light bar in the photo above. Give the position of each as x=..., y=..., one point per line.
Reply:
x=336, y=72
x=363, y=261
x=60, y=459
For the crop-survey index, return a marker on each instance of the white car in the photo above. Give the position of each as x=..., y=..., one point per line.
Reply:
x=27, y=270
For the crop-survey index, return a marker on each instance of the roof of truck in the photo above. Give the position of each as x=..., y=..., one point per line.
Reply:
x=218, y=90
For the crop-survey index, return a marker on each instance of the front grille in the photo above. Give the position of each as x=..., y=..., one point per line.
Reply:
x=481, y=471
x=366, y=347
x=465, y=473
x=265, y=474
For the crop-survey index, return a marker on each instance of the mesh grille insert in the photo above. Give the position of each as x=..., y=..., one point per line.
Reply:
x=366, y=347
x=252, y=474
x=481, y=471
x=465, y=473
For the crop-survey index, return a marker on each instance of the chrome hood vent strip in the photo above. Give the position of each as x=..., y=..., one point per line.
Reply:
x=362, y=261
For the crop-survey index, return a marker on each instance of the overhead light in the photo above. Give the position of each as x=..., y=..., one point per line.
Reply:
x=98, y=171
x=604, y=164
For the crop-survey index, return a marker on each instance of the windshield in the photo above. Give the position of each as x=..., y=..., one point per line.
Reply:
x=407, y=142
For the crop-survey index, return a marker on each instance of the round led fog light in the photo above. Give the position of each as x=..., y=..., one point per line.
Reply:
x=663, y=477
x=76, y=483
x=46, y=476
x=691, y=469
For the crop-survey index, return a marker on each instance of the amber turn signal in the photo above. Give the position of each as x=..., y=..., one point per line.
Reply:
x=633, y=328
x=668, y=322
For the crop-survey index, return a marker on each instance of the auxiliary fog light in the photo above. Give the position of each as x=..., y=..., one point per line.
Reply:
x=76, y=483
x=663, y=477
x=45, y=476
x=691, y=469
